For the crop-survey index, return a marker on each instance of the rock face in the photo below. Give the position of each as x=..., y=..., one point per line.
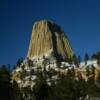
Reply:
x=48, y=36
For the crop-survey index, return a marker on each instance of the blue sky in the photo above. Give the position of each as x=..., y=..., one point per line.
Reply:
x=80, y=19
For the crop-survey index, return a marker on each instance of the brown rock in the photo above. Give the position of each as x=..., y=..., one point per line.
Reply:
x=47, y=36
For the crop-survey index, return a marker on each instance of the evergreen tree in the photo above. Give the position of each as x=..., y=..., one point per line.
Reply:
x=19, y=62
x=86, y=58
x=40, y=90
x=98, y=85
x=30, y=63
x=5, y=85
x=79, y=59
x=91, y=86
x=75, y=60
x=94, y=56
x=16, y=92
x=98, y=58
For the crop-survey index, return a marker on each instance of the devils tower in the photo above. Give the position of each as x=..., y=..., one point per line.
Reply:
x=48, y=36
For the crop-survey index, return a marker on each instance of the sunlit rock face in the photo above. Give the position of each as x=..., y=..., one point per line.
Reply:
x=48, y=36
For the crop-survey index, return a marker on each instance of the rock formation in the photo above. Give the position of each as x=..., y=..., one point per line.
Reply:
x=48, y=36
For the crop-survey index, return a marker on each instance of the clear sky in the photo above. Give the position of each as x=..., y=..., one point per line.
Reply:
x=80, y=19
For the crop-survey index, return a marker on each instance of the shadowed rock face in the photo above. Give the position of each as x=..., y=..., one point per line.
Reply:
x=47, y=36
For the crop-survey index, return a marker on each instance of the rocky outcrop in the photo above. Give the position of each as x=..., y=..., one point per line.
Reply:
x=47, y=36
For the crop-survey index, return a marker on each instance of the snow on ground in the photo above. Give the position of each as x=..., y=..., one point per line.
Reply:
x=28, y=79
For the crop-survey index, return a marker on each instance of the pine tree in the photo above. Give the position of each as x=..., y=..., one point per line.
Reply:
x=5, y=85
x=75, y=60
x=86, y=58
x=79, y=59
x=40, y=90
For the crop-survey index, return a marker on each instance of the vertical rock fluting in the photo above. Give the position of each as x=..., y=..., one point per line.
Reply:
x=47, y=36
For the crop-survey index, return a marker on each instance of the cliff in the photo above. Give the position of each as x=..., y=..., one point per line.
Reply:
x=47, y=36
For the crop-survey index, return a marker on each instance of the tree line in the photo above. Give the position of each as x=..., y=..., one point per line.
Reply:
x=66, y=87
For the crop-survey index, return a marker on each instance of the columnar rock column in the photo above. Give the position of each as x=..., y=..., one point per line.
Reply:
x=47, y=36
